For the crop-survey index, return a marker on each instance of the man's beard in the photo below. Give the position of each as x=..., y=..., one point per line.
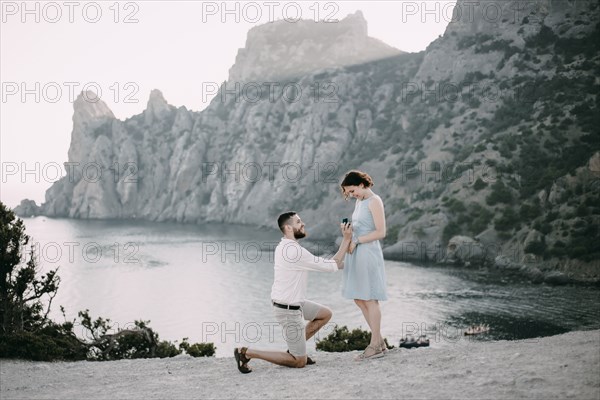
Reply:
x=298, y=234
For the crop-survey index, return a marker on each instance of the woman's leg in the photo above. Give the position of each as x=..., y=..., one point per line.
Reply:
x=374, y=315
x=374, y=322
x=363, y=307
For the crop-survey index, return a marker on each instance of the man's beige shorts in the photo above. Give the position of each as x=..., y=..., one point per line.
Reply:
x=293, y=327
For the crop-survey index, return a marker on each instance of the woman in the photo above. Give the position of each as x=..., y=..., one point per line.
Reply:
x=364, y=273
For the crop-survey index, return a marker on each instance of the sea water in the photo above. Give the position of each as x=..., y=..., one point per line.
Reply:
x=212, y=283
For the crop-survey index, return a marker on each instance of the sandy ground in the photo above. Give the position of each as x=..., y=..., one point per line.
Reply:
x=559, y=367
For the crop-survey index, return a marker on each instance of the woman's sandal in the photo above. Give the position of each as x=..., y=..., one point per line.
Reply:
x=377, y=353
x=242, y=360
x=383, y=346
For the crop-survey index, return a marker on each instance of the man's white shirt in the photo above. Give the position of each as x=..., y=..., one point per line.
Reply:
x=292, y=264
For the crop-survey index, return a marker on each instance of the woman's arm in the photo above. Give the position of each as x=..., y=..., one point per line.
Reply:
x=376, y=207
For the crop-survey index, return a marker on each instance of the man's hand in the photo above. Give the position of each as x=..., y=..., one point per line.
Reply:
x=347, y=234
x=346, y=231
x=347, y=238
x=351, y=247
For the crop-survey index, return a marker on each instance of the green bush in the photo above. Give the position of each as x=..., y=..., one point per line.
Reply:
x=391, y=236
x=511, y=113
x=479, y=184
x=198, y=349
x=500, y=194
x=450, y=230
x=585, y=240
x=166, y=349
x=542, y=39
x=341, y=339
x=483, y=219
x=391, y=173
x=537, y=248
x=201, y=350
x=507, y=221
x=52, y=342
x=529, y=212
x=474, y=40
x=455, y=206
x=396, y=205
x=582, y=210
x=415, y=214
x=27, y=333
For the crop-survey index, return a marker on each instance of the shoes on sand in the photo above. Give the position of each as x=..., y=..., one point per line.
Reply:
x=410, y=342
x=383, y=346
x=371, y=352
x=241, y=360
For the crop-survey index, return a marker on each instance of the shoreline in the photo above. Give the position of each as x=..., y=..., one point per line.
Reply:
x=553, y=271
x=561, y=366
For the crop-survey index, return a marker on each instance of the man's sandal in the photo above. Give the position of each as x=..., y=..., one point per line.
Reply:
x=242, y=360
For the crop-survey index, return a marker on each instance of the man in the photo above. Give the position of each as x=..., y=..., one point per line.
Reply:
x=288, y=294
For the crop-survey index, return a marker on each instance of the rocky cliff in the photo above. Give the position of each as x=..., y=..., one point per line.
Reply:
x=278, y=50
x=484, y=146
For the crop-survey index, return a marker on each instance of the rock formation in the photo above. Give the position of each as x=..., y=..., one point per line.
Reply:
x=489, y=134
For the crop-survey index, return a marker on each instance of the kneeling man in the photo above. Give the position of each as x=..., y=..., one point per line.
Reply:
x=288, y=295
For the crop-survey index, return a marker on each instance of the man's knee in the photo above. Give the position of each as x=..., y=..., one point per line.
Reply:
x=324, y=315
x=327, y=314
x=300, y=362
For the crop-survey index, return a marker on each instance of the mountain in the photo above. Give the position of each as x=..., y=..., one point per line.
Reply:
x=281, y=50
x=484, y=147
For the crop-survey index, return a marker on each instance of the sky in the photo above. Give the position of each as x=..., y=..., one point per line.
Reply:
x=50, y=51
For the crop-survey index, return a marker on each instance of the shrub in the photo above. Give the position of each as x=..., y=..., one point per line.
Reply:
x=341, y=339
x=397, y=205
x=198, y=349
x=456, y=206
x=543, y=39
x=166, y=349
x=391, y=235
x=507, y=221
x=537, y=248
x=474, y=40
x=450, y=230
x=500, y=194
x=479, y=184
x=53, y=342
x=26, y=332
x=391, y=173
x=415, y=214
x=529, y=212
x=511, y=113
x=484, y=218
x=202, y=350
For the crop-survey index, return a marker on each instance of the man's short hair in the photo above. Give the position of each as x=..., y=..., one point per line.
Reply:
x=284, y=219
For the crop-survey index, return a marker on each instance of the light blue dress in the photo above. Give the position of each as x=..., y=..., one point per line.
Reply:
x=364, y=271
